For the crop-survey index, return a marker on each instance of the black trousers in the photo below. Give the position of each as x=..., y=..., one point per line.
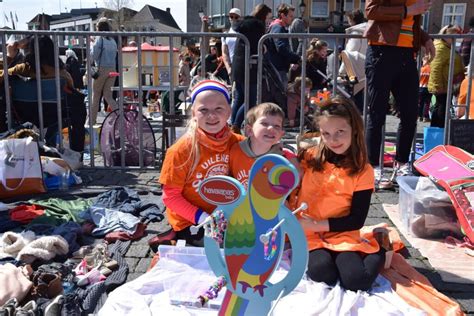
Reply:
x=439, y=111
x=391, y=69
x=355, y=270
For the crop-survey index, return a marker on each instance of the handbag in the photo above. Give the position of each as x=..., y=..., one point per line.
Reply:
x=95, y=69
x=20, y=168
x=94, y=72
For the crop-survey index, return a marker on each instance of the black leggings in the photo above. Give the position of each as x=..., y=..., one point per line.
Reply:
x=355, y=270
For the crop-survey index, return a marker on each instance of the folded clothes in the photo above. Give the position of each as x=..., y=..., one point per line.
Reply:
x=12, y=243
x=15, y=282
x=109, y=220
x=44, y=248
x=25, y=213
x=118, y=235
x=120, y=199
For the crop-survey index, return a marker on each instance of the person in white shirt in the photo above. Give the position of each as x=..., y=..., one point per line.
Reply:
x=228, y=43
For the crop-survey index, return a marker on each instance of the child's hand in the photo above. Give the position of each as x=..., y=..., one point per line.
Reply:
x=309, y=223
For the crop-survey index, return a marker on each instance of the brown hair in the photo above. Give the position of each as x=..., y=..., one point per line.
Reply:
x=284, y=8
x=261, y=11
x=357, y=16
x=356, y=158
x=266, y=108
x=314, y=47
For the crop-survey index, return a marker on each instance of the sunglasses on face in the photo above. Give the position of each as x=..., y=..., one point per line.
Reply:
x=233, y=17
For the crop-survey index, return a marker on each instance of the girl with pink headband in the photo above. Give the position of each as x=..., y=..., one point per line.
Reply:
x=203, y=151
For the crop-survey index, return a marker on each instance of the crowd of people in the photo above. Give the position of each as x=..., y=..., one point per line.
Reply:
x=346, y=159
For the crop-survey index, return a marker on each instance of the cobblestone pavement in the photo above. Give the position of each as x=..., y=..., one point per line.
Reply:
x=139, y=255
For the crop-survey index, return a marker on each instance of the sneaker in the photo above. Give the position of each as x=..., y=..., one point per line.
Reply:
x=381, y=182
x=27, y=309
x=401, y=170
x=426, y=120
x=9, y=308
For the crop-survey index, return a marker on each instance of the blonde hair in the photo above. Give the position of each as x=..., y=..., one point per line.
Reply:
x=191, y=132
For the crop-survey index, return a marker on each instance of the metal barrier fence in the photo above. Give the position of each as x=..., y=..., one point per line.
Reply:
x=118, y=36
x=338, y=40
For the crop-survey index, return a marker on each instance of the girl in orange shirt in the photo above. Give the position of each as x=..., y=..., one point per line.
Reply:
x=202, y=152
x=337, y=186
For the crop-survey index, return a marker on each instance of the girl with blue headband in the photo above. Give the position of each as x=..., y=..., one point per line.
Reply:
x=202, y=152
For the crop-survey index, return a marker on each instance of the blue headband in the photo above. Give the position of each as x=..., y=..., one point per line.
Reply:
x=210, y=85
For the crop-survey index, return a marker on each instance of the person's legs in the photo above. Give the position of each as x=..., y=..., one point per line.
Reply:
x=321, y=267
x=439, y=112
x=284, y=78
x=77, y=118
x=237, y=102
x=97, y=87
x=107, y=91
x=358, y=271
x=405, y=91
x=196, y=240
x=379, y=72
x=252, y=101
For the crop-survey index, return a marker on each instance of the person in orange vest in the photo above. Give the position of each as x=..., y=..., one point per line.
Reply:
x=337, y=186
x=201, y=153
x=424, y=94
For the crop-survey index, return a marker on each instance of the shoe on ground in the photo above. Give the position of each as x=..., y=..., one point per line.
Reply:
x=27, y=309
x=426, y=120
x=381, y=182
x=9, y=308
x=54, y=307
x=401, y=170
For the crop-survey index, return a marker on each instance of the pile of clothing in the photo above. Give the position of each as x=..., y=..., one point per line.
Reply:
x=62, y=257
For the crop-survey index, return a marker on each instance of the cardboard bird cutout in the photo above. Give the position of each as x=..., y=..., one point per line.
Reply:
x=257, y=222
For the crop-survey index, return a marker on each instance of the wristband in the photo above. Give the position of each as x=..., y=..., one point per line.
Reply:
x=197, y=215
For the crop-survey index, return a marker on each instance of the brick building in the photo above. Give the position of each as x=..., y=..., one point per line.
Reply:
x=444, y=12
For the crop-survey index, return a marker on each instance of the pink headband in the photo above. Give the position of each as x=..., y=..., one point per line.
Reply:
x=210, y=85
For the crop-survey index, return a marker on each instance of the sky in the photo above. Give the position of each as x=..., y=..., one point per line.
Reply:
x=26, y=10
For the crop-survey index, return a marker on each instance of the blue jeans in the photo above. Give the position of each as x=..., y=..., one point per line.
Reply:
x=238, y=108
x=391, y=69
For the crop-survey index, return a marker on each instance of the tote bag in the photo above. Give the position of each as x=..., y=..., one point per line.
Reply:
x=20, y=168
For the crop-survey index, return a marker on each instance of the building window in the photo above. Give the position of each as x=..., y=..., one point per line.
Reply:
x=319, y=8
x=348, y=5
x=454, y=14
x=362, y=6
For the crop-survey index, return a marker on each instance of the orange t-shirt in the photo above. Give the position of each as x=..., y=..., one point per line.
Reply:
x=242, y=159
x=425, y=76
x=329, y=195
x=213, y=160
x=462, y=99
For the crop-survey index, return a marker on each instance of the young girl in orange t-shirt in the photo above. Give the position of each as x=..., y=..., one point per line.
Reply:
x=337, y=186
x=202, y=152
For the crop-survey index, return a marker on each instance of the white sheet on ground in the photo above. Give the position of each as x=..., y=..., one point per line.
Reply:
x=150, y=295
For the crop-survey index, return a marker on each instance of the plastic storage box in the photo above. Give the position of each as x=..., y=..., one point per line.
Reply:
x=407, y=200
x=184, y=288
